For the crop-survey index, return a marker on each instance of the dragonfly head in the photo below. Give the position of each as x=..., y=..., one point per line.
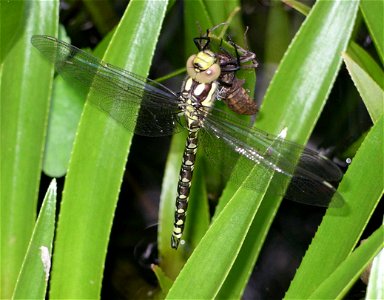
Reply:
x=203, y=67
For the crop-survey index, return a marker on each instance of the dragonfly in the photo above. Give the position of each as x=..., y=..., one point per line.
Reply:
x=162, y=112
x=231, y=90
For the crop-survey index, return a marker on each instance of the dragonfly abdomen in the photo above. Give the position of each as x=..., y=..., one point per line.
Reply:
x=183, y=187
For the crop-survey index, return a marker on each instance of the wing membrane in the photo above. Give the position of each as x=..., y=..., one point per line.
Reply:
x=117, y=91
x=309, y=172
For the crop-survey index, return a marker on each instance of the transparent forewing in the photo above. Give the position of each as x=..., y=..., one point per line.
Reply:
x=118, y=91
x=309, y=172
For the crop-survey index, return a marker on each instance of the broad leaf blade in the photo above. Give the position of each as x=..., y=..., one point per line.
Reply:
x=315, y=51
x=312, y=61
x=373, y=16
x=375, y=288
x=172, y=261
x=33, y=278
x=340, y=281
x=97, y=165
x=362, y=187
x=370, y=91
x=65, y=113
x=25, y=95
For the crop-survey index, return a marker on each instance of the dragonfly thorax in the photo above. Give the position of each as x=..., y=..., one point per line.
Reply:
x=200, y=87
x=203, y=67
x=198, y=99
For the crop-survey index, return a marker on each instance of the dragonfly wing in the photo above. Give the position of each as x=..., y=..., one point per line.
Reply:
x=309, y=172
x=117, y=91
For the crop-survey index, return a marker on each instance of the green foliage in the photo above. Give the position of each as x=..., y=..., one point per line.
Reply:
x=218, y=258
x=25, y=84
x=338, y=283
x=35, y=271
x=93, y=180
x=341, y=228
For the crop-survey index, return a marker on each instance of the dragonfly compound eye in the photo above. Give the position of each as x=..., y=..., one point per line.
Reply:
x=203, y=67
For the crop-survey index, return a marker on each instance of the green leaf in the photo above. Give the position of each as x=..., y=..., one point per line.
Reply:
x=339, y=282
x=33, y=278
x=341, y=228
x=103, y=15
x=217, y=263
x=13, y=18
x=25, y=94
x=373, y=16
x=370, y=91
x=278, y=35
x=218, y=11
x=365, y=60
x=66, y=109
x=164, y=281
x=97, y=165
x=226, y=11
x=172, y=261
x=196, y=16
x=375, y=288
x=311, y=65
x=300, y=7
x=312, y=62
x=64, y=117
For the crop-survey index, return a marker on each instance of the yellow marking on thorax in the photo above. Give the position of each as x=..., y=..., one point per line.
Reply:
x=188, y=84
x=210, y=100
